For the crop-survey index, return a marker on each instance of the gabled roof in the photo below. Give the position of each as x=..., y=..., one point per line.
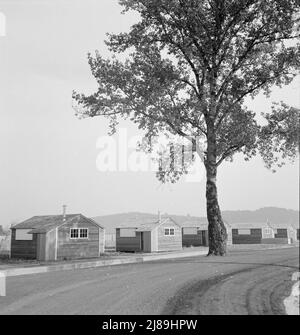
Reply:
x=45, y=223
x=296, y=225
x=137, y=220
x=152, y=225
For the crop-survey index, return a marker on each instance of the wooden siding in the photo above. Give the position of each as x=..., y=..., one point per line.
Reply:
x=50, y=245
x=41, y=247
x=172, y=242
x=154, y=240
x=23, y=249
x=128, y=244
x=79, y=248
x=146, y=238
x=254, y=237
x=110, y=241
x=229, y=235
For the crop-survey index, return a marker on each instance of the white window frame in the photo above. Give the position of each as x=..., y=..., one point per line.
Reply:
x=268, y=231
x=75, y=229
x=87, y=233
x=167, y=231
x=79, y=237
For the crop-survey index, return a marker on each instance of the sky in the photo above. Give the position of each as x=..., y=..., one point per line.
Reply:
x=49, y=156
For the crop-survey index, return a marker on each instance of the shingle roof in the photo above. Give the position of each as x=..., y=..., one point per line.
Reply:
x=44, y=223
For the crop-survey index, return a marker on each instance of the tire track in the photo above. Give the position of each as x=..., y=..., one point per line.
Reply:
x=258, y=290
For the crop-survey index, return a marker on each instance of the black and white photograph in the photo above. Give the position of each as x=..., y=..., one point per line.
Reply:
x=149, y=171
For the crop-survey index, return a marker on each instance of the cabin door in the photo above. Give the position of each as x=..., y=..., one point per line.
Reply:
x=203, y=235
x=146, y=241
x=142, y=241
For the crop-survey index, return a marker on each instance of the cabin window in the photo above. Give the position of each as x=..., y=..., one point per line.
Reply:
x=74, y=233
x=190, y=231
x=127, y=232
x=83, y=233
x=169, y=231
x=22, y=235
x=268, y=231
x=79, y=233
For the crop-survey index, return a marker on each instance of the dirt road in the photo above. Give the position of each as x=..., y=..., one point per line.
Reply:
x=244, y=282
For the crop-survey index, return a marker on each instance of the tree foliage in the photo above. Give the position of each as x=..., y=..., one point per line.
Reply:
x=190, y=61
x=279, y=139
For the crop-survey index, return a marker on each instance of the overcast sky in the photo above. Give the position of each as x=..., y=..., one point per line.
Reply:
x=48, y=156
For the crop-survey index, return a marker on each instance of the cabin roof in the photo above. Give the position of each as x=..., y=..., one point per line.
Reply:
x=249, y=225
x=45, y=223
x=295, y=225
x=283, y=225
x=148, y=226
x=141, y=220
x=194, y=224
x=151, y=225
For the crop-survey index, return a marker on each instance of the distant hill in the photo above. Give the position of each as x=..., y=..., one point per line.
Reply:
x=272, y=214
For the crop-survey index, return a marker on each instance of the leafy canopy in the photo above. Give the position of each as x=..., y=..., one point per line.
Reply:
x=190, y=64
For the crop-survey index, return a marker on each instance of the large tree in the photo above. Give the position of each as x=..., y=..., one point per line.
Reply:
x=189, y=66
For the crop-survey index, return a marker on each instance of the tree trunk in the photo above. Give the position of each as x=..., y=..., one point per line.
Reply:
x=217, y=234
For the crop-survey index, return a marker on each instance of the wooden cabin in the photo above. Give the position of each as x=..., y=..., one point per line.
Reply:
x=263, y=232
x=123, y=220
x=57, y=237
x=160, y=235
x=251, y=233
x=194, y=233
x=284, y=232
